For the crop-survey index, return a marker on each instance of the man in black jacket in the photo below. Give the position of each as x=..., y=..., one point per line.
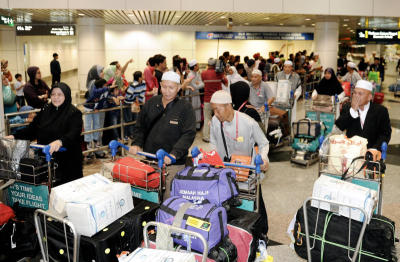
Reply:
x=166, y=122
x=366, y=119
x=55, y=70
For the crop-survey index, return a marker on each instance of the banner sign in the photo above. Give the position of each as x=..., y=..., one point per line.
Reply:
x=254, y=36
x=57, y=30
x=366, y=36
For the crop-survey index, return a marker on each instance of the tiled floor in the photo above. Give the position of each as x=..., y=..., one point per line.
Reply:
x=286, y=187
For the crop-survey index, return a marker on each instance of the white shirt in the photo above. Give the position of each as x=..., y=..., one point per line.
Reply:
x=17, y=85
x=363, y=114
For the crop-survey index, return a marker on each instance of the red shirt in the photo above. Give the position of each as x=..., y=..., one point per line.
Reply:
x=212, y=82
x=150, y=79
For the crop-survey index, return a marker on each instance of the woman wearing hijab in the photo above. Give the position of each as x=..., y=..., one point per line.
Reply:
x=329, y=85
x=36, y=90
x=95, y=73
x=240, y=95
x=234, y=76
x=59, y=124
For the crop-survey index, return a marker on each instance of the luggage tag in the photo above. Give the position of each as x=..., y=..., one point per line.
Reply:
x=13, y=244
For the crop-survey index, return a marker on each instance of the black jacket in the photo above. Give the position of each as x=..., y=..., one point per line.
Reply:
x=376, y=129
x=55, y=67
x=172, y=129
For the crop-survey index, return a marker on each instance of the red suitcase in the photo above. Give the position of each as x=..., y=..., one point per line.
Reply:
x=379, y=98
x=136, y=173
x=346, y=88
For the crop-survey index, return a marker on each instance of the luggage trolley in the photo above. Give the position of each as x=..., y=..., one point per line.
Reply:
x=316, y=237
x=146, y=190
x=249, y=191
x=28, y=184
x=373, y=179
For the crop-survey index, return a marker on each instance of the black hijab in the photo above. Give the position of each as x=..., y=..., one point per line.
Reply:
x=329, y=87
x=57, y=117
x=31, y=71
x=240, y=92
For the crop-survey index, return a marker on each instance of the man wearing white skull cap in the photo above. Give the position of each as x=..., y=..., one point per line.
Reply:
x=166, y=122
x=352, y=75
x=196, y=84
x=365, y=118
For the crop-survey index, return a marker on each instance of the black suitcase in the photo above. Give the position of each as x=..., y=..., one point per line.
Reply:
x=135, y=220
x=226, y=251
x=18, y=236
x=377, y=244
x=102, y=247
x=33, y=170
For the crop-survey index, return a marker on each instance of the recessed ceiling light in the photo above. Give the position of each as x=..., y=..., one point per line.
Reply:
x=266, y=18
x=345, y=25
x=80, y=14
x=131, y=14
x=178, y=16
x=280, y=24
x=346, y=19
x=222, y=17
x=246, y=23
x=313, y=24
x=308, y=19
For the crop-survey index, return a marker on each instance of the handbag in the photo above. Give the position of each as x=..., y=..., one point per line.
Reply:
x=9, y=97
x=306, y=128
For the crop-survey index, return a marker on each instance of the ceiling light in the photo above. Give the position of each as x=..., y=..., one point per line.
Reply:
x=131, y=14
x=313, y=24
x=178, y=16
x=346, y=19
x=345, y=25
x=308, y=19
x=206, y=24
x=266, y=18
x=222, y=17
x=246, y=23
x=80, y=14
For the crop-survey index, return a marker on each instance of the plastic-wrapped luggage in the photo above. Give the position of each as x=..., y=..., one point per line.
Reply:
x=323, y=103
x=331, y=239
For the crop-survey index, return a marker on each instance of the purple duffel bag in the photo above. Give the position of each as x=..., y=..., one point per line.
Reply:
x=217, y=185
x=207, y=219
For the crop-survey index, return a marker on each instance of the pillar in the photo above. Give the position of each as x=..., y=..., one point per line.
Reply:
x=91, y=47
x=326, y=38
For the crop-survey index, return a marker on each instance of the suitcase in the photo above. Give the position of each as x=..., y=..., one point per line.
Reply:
x=33, y=170
x=379, y=98
x=346, y=88
x=136, y=173
x=378, y=240
x=102, y=247
x=283, y=117
x=135, y=220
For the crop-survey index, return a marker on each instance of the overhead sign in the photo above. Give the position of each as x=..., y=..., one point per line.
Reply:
x=57, y=30
x=6, y=20
x=254, y=36
x=366, y=36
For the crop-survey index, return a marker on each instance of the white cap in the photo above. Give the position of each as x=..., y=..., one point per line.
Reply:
x=212, y=61
x=276, y=60
x=171, y=76
x=256, y=72
x=221, y=97
x=316, y=54
x=364, y=84
x=351, y=65
x=193, y=63
x=288, y=62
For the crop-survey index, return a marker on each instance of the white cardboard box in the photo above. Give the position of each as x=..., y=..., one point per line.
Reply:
x=157, y=255
x=75, y=190
x=333, y=189
x=98, y=209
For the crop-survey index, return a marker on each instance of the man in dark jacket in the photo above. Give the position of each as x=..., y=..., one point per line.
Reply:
x=366, y=119
x=55, y=70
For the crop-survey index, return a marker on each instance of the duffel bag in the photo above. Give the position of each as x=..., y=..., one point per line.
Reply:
x=331, y=239
x=208, y=220
x=217, y=185
x=136, y=173
x=305, y=144
x=306, y=128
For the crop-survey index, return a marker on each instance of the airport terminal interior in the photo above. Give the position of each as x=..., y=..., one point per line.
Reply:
x=133, y=90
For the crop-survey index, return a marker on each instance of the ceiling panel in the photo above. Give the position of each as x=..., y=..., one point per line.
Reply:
x=347, y=24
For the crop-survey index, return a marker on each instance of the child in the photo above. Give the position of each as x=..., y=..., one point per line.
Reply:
x=19, y=87
x=22, y=119
x=134, y=95
x=114, y=99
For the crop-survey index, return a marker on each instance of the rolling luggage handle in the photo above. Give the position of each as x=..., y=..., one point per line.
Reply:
x=176, y=230
x=360, y=238
x=159, y=155
x=42, y=236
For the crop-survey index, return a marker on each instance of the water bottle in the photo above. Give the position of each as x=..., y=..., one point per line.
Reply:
x=262, y=255
x=266, y=107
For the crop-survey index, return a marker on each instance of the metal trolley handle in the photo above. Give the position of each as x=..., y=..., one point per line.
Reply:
x=176, y=230
x=42, y=234
x=159, y=155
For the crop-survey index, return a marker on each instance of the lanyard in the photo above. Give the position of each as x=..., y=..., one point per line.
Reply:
x=237, y=128
x=242, y=105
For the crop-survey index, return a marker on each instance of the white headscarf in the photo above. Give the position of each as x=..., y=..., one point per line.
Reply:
x=235, y=77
